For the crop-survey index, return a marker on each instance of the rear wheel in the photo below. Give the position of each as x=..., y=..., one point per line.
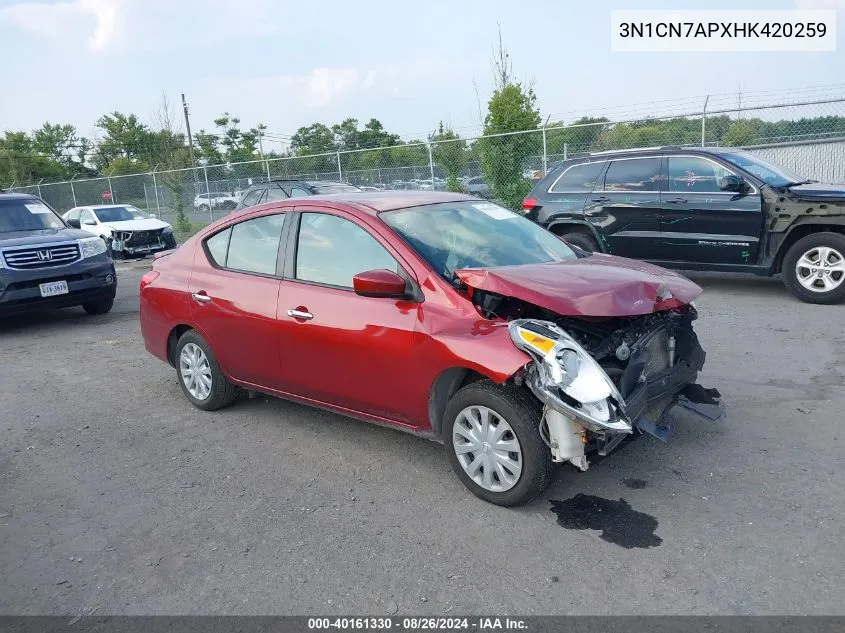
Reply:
x=493, y=442
x=204, y=208
x=200, y=376
x=814, y=268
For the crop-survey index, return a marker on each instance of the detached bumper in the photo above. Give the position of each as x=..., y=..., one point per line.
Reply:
x=88, y=280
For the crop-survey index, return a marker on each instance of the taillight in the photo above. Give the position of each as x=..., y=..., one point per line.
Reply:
x=529, y=203
x=149, y=278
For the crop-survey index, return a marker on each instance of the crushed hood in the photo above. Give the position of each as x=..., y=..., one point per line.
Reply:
x=819, y=191
x=599, y=286
x=150, y=224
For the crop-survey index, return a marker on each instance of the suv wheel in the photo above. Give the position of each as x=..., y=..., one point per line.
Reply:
x=814, y=268
x=492, y=438
x=582, y=240
x=200, y=376
x=204, y=208
x=101, y=306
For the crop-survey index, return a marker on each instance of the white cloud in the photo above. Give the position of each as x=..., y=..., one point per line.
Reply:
x=97, y=22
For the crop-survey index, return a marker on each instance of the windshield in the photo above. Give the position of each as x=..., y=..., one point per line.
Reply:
x=455, y=235
x=27, y=214
x=139, y=215
x=765, y=171
x=115, y=214
x=334, y=188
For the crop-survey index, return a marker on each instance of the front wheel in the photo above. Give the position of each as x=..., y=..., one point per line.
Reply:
x=814, y=268
x=582, y=240
x=493, y=443
x=200, y=376
x=204, y=208
x=101, y=306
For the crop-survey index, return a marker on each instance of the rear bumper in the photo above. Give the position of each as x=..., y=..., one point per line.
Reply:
x=91, y=279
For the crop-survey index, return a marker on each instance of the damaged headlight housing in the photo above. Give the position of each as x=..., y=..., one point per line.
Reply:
x=91, y=246
x=562, y=364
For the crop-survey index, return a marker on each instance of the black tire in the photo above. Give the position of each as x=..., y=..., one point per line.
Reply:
x=522, y=411
x=204, y=208
x=222, y=393
x=582, y=240
x=806, y=245
x=101, y=306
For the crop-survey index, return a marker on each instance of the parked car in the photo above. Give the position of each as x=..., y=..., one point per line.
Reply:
x=435, y=313
x=405, y=186
x=215, y=200
x=276, y=190
x=123, y=234
x=718, y=208
x=45, y=264
x=477, y=187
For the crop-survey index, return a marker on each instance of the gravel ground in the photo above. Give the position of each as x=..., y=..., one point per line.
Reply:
x=118, y=497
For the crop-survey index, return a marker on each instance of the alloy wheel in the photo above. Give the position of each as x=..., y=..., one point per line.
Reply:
x=821, y=269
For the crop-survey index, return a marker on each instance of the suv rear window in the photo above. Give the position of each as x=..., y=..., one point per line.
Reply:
x=578, y=178
x=252, y=197
x=27, y=214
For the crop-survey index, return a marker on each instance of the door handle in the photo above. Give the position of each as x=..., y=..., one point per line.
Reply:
x=601, y=199
x=677, y=201
x=300, y=314
x=200, y=297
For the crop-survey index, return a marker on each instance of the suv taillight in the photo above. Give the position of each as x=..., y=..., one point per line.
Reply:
x=529, y=203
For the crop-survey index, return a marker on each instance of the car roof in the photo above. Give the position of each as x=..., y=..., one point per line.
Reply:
x=374, y=202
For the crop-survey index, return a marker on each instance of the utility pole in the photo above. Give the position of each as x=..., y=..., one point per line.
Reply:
x=188, y=128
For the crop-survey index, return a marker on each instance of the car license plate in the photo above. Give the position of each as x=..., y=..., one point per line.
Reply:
x=53, y=288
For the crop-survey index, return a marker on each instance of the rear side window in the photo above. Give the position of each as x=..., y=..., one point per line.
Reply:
x=217, y=246
x=578, y=178
x=251, y=199
x=298, y=192
x=274, y=194
x=251, y=246
x=636, y=174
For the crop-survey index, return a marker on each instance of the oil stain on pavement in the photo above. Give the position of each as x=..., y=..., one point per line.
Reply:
x=619, y=523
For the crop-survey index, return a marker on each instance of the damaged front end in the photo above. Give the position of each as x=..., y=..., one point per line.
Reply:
x=602, y=378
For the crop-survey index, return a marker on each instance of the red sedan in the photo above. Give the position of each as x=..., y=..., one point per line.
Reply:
x=436, y=313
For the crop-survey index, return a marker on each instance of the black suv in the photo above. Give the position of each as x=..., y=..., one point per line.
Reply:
x=717, y=208
x=284, y=189
x=45, y=264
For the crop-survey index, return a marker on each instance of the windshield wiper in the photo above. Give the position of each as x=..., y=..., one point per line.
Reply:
x=801, y=182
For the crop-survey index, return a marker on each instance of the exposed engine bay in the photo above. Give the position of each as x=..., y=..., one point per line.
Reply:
x=602, y=377
x=135, y=242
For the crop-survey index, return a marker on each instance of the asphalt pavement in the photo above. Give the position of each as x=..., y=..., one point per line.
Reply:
x=118, y=497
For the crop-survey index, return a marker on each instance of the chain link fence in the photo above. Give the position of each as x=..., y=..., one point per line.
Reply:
x=807, y=137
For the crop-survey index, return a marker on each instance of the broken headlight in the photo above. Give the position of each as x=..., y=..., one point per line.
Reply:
x=563, y=365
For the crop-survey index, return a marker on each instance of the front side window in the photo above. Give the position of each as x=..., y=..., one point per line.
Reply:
x=73, y=214
x=251, y=199
x=251, y=246
x=332, y=250
x=27, y=214
x=694, y=174
x=455, y=235
x=87, y=217
x=636, y=174
x=578, y=178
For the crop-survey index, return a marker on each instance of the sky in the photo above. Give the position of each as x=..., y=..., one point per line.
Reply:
x=409, y=65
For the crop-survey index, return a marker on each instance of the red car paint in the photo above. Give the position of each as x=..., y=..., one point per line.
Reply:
x=600, y=286
x=373, y=358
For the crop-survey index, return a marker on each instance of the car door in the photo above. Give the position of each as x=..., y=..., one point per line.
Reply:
x=234, y=292
x=566, y=197
x=624, y=207
x=700, y=222
x=336, y=346
x=88, y=222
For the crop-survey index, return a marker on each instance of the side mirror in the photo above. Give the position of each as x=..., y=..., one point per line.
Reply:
x=73, y=223
x=732, y=183
x=380, y=283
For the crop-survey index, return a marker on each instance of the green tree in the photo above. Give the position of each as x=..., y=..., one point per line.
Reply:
x=313, y=139
x=240, y=145
x=512, y=108
x=741, y=132
x=450, y=153
x=124, y=166
x=21, y=163
x=125, y=137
